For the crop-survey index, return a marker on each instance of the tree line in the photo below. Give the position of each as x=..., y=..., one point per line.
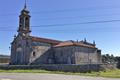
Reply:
x=111, y=59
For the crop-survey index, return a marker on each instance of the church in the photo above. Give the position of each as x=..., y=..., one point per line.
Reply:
x=31, y=50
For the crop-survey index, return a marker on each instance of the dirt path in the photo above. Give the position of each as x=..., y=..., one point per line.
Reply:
x=37, y=76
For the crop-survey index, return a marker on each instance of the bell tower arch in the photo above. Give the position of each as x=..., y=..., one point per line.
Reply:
x=24, y=22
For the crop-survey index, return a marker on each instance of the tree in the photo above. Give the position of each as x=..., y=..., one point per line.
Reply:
x=111, y=59
x=108, y=58
x=117, y=59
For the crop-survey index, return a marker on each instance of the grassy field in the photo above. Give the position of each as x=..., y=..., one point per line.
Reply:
x=107, y=73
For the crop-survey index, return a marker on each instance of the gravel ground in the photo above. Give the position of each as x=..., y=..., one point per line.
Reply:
x=37, y=76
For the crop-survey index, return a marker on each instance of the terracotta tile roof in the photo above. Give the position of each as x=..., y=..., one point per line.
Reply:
x=72, y=43
x=45, y=40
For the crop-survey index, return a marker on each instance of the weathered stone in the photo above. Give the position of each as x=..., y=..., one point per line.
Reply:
x=30, y=50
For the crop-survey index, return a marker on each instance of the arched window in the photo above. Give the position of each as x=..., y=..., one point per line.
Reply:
x=34, y=54
x=27, y=21
x=20, y=22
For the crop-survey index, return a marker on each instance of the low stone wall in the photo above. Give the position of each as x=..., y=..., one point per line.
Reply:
x=57, y=67
x=109, y=66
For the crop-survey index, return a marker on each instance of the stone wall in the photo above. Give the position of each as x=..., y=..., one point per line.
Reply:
x=64, y=55
x=25, y=52
x=85, y=55
x=40, y=53
x=109, y=66
x=77, y=55
x=57, y=67
x=20, y=50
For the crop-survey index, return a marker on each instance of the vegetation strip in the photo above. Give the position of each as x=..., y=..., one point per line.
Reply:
x=108, y=73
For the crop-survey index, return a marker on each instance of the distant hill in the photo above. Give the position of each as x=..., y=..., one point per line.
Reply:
x=4, y=56
x=4, y=59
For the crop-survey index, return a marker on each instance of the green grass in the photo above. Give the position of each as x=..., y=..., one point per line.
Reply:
x=108, y=73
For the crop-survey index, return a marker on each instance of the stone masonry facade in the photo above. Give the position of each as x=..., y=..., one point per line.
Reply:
x=31, y=50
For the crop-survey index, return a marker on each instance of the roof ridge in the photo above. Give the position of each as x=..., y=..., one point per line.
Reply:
x=44, y=38
x=39, y=39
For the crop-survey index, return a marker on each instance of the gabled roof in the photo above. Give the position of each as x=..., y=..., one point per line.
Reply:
x=73, y=43
x=45, y=40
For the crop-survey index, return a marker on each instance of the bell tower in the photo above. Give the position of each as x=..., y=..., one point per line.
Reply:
x=21, y=45
x=24, y=22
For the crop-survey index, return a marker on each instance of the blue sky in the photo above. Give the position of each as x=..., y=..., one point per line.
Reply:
x=57, y=12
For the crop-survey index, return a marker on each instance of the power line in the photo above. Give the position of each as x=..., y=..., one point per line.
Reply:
x=68, y=24
x=67, y=10
x=77, y=17
x=78, y=9
x=68, y=30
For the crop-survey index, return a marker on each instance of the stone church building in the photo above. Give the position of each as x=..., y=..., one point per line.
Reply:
x=31, y=50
